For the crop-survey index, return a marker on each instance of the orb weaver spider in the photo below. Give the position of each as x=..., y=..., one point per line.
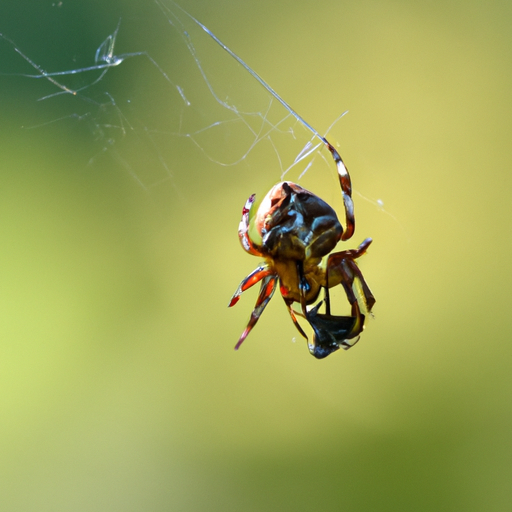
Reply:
x=297, y=232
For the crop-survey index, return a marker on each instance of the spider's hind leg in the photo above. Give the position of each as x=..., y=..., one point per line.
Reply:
x=342, y=269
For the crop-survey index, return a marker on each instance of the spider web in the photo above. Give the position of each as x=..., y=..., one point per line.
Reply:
x=159, y=87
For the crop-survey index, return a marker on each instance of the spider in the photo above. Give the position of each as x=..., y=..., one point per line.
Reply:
x=296, y=232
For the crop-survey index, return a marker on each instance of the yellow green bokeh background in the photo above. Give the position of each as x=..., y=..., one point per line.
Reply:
x=119, y=387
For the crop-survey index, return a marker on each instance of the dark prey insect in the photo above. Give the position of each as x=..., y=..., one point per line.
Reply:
x=296, y=232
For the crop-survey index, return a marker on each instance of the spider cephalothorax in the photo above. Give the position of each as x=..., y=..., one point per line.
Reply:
x=295, y=231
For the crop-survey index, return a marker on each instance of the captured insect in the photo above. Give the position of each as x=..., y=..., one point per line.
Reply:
x=295, y=232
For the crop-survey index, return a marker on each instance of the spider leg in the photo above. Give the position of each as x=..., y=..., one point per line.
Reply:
x=342, y=268
x=268, y=286
x=346, y=192
x=243, y=228
x=294, y=318
x=304, y=286
x=254, y=277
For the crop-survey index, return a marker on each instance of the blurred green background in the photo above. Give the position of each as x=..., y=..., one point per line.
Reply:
x=120, y=389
